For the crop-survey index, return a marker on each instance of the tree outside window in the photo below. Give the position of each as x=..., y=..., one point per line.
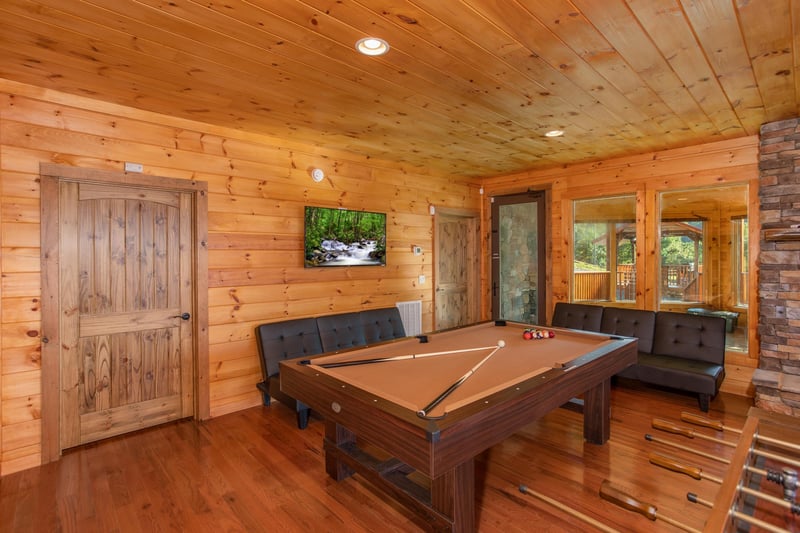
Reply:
x=604, y=237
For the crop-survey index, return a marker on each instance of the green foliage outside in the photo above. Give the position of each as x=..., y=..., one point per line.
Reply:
x=591, y=253
x=677, y=250
x=345, y=226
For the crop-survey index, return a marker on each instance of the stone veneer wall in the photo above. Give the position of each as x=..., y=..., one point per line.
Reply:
x=777, y=380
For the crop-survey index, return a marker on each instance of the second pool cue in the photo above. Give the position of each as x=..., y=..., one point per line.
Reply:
x=716, y=424
x=618, y=497
x=692, y=497
x=569, y=510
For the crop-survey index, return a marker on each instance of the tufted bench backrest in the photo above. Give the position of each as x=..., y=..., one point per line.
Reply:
x=382, y=325
x=577, y=316
x=342, y=331
x=286, y=340
x=690, y=336
x=630, y=323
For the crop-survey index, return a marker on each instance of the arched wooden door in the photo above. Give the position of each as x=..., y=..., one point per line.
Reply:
x=126, y=308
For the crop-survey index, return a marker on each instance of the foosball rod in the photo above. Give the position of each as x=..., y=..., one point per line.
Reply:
x=695, y=451
x=697, y=473
x=786, y=478
x=716, y=424
x=692, y=497
x=676, y=466
x=567, y=509
x=618, y=497
x=669, y=427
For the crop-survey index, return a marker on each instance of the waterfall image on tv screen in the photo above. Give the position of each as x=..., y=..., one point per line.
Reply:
x=344, y=237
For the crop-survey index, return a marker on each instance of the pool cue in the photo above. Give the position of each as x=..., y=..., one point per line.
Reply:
x=626, y=501
x=356, y=362
x=716, y=424
x=665, y=425
x=697, y=473
x=570, y=511
x=423, y=413
x=692, y=497
x=687, y=449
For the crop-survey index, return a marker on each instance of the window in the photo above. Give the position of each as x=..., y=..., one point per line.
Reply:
x=682, y=260
x=704, y=256
x=604, y=249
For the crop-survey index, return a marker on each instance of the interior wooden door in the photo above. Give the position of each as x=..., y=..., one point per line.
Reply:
x=125, y=288
x=457, y=269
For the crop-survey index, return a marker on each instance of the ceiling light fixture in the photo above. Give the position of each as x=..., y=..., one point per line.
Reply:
x=317, y=174
x=554, y=133
x=372, y=46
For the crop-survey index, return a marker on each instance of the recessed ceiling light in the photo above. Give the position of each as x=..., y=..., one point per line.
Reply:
x=317, y=174
x=554, y=133
x=372, y=46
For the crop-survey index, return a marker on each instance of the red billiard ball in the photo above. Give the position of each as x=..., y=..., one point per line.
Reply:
x=527, y=335
x=552, y=334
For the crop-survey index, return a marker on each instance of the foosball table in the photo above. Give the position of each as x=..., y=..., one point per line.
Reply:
x=760, y=489
x=758, y=492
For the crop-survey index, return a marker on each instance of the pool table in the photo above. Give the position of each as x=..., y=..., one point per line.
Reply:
x=505, y=381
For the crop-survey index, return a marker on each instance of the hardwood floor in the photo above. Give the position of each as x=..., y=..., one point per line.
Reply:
x=255, y=471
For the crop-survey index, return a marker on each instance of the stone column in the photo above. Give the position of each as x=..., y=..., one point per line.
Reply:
x=777, y=379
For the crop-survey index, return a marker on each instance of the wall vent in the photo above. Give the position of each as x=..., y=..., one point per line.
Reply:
x=411, y=316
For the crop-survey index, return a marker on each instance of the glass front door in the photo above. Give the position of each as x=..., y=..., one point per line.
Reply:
x=518, y=258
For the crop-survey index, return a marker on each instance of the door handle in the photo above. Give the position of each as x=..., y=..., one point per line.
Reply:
x=184, y=316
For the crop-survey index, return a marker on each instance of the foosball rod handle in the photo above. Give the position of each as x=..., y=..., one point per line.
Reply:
x=717, y=425
x=618, y=497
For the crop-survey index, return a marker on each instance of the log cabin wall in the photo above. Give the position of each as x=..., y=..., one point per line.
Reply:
x=717, y=164
x=257, y=189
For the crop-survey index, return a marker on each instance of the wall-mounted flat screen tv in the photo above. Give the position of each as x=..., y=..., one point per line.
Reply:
x=344, y=237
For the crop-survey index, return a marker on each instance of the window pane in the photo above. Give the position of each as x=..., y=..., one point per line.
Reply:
x=604, y=251
x=741, y=248
x=704, y=256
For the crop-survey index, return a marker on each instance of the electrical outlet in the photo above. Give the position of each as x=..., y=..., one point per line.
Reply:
x=133, y=167
x=422, y=279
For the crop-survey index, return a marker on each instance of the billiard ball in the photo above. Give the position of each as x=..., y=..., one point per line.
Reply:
x=527, y=335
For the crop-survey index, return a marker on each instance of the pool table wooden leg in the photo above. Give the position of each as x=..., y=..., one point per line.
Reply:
x=338, y=436
x=453, y=495
x=597, y=413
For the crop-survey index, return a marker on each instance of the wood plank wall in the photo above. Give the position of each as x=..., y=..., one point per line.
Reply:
x=716, y=164
x=257, y=189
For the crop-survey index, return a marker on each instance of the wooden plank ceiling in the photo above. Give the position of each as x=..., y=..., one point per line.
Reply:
x=468, y=87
